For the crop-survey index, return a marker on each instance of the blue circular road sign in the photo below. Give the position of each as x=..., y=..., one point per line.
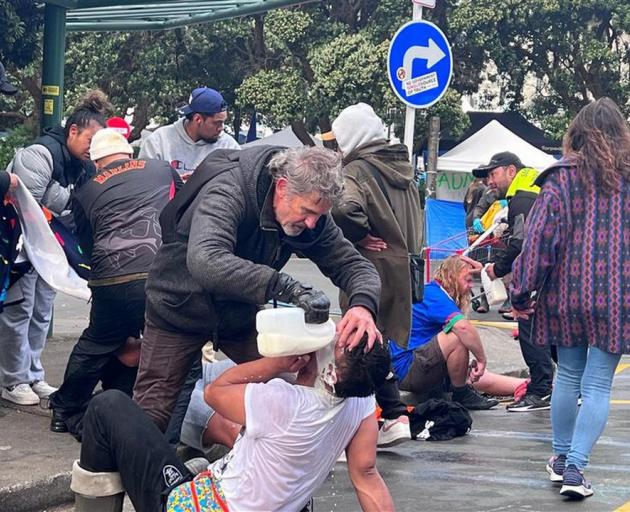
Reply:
x=419, y=63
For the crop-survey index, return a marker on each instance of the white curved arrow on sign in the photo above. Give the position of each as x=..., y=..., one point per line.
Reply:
x=432, y=53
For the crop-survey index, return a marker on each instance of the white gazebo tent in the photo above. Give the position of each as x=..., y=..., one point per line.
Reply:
x=493, y=138
x=477, y=150
x=285, y=138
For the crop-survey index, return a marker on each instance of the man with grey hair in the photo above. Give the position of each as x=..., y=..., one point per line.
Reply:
x=226, y=236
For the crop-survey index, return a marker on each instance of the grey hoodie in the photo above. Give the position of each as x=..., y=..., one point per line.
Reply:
x=172, y=143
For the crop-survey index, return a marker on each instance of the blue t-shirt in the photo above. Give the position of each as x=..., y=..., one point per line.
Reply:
x=435, y=313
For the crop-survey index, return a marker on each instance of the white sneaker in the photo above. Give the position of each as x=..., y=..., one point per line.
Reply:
x=21, y=394
x=42, y=389
x=394, y=432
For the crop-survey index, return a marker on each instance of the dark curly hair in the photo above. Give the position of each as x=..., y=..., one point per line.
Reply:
x=598, y=144
x=94, y=106
x=361, y=373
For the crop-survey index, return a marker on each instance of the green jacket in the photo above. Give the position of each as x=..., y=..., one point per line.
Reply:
x=389, y=210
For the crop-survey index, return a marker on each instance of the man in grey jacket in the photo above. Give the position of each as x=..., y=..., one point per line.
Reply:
x=185, y=143
x=225, y=237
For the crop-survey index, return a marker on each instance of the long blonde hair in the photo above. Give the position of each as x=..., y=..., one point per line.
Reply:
x=447, y=274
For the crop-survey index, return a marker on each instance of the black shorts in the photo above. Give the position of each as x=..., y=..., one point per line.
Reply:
x=428, y=368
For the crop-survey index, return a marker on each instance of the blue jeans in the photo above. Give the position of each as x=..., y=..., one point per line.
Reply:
x=589, y=371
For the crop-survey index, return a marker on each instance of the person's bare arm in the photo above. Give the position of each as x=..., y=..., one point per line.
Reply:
x=226, y=394
x=469, y=336
x=371, y=490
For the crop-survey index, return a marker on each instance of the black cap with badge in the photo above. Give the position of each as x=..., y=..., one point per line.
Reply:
x=502, y=159
x=5, y=86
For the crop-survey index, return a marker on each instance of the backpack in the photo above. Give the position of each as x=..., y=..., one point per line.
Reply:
x=202, y=494
x=439, y=420
x=10, y=232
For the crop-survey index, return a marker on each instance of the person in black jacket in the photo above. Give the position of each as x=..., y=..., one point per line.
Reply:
x=226, y=237
x=50, y=169
x=513, y=181
x=117, y=218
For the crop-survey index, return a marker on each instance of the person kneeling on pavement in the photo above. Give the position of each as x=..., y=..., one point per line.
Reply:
x=442, y=340
x=116, y=214
x=285, y=438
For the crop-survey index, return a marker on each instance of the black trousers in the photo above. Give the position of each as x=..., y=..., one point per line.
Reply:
x=118, y=436
x=117, y=312
x=537, y=358
x=388, y=399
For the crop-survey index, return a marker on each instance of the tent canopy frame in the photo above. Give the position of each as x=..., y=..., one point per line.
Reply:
x=61, y=16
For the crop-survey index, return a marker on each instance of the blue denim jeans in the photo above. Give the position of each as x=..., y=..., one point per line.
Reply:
x=587, y=371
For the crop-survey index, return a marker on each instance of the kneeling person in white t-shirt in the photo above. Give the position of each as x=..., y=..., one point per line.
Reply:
x=285, y=438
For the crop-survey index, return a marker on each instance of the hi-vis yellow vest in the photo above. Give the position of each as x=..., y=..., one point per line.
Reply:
x=524, y=180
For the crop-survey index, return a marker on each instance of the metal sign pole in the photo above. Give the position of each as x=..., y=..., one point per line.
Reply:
x=410, y=112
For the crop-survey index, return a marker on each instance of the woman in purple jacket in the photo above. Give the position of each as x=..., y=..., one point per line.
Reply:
x=576, y=257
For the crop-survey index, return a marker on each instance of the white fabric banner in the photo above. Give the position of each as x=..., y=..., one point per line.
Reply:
x=43, y=249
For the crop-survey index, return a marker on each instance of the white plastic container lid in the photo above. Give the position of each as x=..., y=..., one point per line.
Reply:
x=283, y=332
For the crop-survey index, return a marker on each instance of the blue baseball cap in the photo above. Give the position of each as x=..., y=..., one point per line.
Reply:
x=204, y=100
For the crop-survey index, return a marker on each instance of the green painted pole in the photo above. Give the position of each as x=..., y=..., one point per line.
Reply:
x=52, y=75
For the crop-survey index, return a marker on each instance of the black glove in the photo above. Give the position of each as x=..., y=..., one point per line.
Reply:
x=314, y=302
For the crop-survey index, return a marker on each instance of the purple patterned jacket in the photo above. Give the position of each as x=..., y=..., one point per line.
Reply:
x=576, y=255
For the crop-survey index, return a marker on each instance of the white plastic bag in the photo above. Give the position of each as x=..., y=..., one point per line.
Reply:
x=495, y=290
x=43, y=249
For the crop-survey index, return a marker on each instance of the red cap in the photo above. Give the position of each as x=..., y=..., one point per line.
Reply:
x=120, y=125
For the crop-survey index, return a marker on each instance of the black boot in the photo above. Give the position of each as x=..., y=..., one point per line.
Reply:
x=57, y=424
x=472, y=400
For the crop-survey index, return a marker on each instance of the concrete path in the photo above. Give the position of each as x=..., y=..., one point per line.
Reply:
x=498, y=466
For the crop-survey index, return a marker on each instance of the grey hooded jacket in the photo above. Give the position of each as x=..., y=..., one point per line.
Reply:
x=229, y=250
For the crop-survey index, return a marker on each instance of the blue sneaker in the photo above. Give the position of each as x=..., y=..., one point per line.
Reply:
x=574, y=485
x=555, y=468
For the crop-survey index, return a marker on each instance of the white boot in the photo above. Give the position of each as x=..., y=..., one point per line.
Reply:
x=96, y=492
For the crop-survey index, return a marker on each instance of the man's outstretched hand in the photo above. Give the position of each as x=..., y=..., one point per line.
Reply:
x=355, y=323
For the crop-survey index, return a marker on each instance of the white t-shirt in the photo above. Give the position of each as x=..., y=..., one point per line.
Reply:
x=293, y=437
x=172, y=143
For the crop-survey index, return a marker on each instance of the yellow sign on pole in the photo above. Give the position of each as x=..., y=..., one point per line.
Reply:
x=49, y=107
x=50, y=90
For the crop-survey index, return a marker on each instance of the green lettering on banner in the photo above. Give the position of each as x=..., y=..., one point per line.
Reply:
x=461, y=181
x=454, y=180
x=442, y=179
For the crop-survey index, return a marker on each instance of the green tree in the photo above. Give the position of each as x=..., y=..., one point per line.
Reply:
x=576, y=49
x=338, y=50
x=19, y=52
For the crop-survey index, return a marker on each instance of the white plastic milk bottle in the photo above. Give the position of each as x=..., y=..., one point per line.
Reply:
x=495, y=290
x=283, y=332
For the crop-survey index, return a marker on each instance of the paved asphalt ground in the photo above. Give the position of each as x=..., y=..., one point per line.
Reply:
x=499, y=466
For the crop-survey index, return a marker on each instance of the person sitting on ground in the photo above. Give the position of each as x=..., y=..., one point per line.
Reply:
x=285, y=438
x=442, y=339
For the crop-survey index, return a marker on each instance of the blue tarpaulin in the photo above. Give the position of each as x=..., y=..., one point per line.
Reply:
x=445, y=227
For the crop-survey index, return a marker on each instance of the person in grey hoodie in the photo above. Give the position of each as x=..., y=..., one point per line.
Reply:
x=225, y=238
x=50, y=169
x=185, y=143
